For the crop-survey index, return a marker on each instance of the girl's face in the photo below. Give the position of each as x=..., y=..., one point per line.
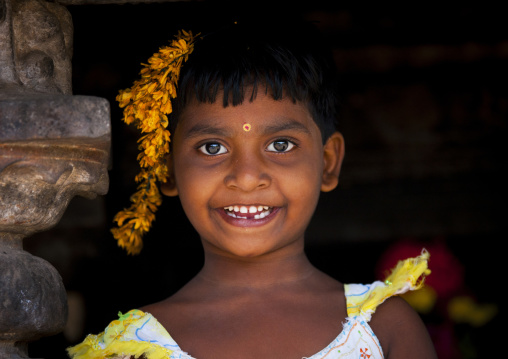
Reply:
x=249, y=176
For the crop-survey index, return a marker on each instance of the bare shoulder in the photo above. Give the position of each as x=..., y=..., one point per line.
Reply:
x=156, y=308
x=164, y=311
x=401, y=331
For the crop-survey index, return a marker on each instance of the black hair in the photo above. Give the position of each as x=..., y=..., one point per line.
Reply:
x=282, y=59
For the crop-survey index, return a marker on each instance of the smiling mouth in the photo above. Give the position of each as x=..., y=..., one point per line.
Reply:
x=248, y=212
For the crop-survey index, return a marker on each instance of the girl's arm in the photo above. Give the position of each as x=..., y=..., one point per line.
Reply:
x=401, y=332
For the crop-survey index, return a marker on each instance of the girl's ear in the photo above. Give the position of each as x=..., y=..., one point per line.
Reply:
x=169, y=187
x=333, y=155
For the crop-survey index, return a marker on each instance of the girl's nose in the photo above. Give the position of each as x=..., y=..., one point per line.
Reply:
x=247, y=173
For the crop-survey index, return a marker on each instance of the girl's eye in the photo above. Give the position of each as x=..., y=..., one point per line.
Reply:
x=213, y=148
x=280, y=146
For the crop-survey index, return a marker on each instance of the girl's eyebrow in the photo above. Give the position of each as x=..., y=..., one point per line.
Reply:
x=284, y=125
x=206, y=129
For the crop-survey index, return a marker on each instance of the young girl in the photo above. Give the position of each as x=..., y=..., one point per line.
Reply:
x=253, y=144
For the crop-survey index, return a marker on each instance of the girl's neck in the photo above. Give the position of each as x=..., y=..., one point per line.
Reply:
x=260, y=273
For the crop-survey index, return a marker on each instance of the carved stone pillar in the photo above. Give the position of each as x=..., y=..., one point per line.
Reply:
x=53, y=146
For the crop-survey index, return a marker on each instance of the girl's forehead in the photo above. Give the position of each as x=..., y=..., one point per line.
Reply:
x=263, y=113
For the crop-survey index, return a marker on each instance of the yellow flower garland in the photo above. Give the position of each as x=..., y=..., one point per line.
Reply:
x=147, y=104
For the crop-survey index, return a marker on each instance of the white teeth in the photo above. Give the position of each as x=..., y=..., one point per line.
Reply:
x=261, y=215
x=258, y=211
x=232, y=214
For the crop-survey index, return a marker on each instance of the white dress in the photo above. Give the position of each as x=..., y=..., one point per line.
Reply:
x=138, y=333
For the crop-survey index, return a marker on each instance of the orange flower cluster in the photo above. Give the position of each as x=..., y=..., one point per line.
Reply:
x=147, y=104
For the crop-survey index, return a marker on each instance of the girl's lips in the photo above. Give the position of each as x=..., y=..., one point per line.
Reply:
x=252, y=219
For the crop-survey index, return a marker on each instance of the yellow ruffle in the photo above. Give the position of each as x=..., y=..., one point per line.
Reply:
x=117, y=340
x=119, y=349
x=408, y=275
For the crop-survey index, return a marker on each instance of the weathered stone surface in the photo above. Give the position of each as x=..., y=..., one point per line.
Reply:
x=45, y=116
x=32, y=300
x=36, y=43
x=39, y=178
x=7, y=72
x=52, y=147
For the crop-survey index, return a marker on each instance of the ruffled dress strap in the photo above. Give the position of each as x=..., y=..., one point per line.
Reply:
x=362, y=300
x=133, y=334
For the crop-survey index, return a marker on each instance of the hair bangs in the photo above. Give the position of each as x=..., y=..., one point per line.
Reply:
x=240, y=77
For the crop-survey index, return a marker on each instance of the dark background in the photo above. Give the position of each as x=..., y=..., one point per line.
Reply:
x=424, y=117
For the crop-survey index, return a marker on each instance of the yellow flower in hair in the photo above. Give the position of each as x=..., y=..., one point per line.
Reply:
x=146, y=105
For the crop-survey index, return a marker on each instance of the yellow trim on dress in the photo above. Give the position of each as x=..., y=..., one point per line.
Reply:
x=408, y=275
x=122, y=338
